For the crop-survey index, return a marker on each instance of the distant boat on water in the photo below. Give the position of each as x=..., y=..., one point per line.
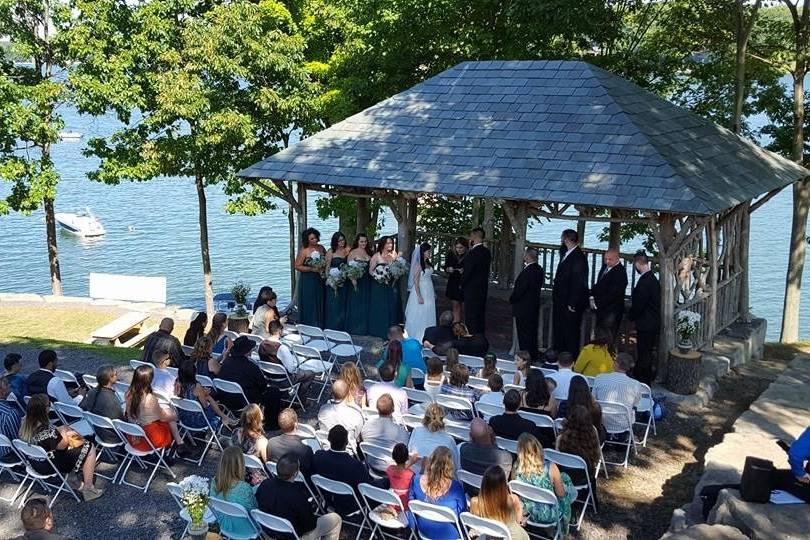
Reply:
x=69, y=135
x=82, y=223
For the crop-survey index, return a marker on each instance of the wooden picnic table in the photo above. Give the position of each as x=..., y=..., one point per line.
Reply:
x=112, y=331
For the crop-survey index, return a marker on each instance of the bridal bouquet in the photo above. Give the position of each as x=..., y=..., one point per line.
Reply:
x=382, y=274
x=335, y=279
x=353, y=271
x=397, y=269
x=317, y=261
x=194, y=496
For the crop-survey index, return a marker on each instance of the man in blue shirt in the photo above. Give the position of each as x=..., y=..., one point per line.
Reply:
x=13, y=364
x=797, y=456
x=411, y=353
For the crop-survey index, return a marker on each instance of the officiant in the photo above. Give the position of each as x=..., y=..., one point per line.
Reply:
x=525, y=300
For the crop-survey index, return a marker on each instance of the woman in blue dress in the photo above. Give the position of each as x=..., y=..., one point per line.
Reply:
x=336, y=298
x=310, y=263
x=385, y=307
x=358, y=295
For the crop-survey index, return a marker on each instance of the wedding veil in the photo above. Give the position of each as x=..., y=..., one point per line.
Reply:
x=416, y=262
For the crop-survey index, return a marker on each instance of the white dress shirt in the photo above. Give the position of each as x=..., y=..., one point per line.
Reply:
x=344, y=414
x=58, y=391
x=397, y=394
x=563, y=380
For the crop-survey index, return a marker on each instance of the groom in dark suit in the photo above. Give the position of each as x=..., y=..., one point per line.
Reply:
x=607, y=294
x=475, y=281
x=645, y=311
x=569, y=293
x=525, y=300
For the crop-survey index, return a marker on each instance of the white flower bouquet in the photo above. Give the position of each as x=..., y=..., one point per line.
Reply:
x=353, y=271
x=335, y=279
x=399, y=268
x=194, y=496
x=687, y=325
x=382, y=274
x=317, y=261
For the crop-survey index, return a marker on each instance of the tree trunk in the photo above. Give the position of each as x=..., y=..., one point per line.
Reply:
x=489, y=218
x=363, y=215
x=208, y=287
x=412, y=211
x=581, y=231
x=372, y=222
x=743, y=33
x=615, y=236
x=53, y=255
x=476, y=212
x=291, y=225
x=505, y=253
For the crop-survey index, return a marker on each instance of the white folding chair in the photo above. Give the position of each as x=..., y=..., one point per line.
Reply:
x=279, y=372
x=176, y=493
x=646, y=406
x=508, y=387
x=483, y=527
x=310, y=359
x=558, y=425
x=323, y=437
x=538, y=495
x=313, y=337
x=472, y=362
x=373, y=497
x=305, y=431
x=15, y=401
x=205, y=381
x=333, y=487
x=368, y=383
x=459, y=433
x=73, y=416
x=488, y=410
x=479, y=384
x=126, y=429
x=377, y=457
x=457, y=404
x=418, y=396
x=411, y=421
x=434, y=512
x=135, y=364
x=12, y=461
x=342, y=347
x=90, y=380
x=253, y=463
x=172, y=371
x=589, y=380
x=546, y=371
x=618, y=421
x=36, y=454
x=107, y=439
x=232, y=388
x=417, y=374
x=505, y=367
x=66, y=376
x=187, y=349
x=369, y=413
x=204, y=433
x=506, y=444
x=572, y=462
x=542, y=421
x=236, y=514
x=230, y=334
x=120, y=387
x=271, y=468
x=254, y=338
x=313, y=443
x=470, y=479
x=274, y=523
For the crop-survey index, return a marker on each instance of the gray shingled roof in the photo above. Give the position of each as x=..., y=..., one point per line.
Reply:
x=555, y=131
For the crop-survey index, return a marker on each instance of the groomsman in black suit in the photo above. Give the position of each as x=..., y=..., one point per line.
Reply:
x=645, y=311
x=475, y=281
x=525, y=300
x=569, y=293
x=607, y=294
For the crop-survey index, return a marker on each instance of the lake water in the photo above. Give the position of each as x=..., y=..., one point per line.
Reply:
x=152, y=230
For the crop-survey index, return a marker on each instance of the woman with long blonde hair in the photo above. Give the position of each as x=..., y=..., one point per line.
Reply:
x=437, y=485
x=229, y=485
x=496, y=502
x=351, y=375
x=251, y=439
x=530, y=468
x=432, y=435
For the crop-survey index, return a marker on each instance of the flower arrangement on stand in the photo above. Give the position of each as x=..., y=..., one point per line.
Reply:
x=686, y=327
x=335, y=279
x=353, y=271
x=317, y=261
x=240, y=292
x=194, y=496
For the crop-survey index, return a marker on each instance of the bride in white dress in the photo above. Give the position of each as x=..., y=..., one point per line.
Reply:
x=420, y=312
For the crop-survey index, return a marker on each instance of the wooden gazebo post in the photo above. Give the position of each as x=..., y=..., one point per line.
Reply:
x=665, y=236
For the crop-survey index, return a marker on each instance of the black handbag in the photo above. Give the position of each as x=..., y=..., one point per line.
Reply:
x=757, y=480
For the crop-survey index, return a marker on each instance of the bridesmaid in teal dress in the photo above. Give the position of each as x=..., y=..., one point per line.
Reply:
x=310, y=282
x=386, y=305
x=359, y=297
x=336, y=299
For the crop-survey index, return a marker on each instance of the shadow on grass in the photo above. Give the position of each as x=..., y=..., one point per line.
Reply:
x=117, y=355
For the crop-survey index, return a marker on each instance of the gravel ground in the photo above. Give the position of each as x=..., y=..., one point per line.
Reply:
x=635, y=503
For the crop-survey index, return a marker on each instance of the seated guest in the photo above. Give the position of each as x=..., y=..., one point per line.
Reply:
x=490, y=363
x=37, y=520
x=523, y=363
x=13, y=364
x=481, y=452
x=196, y=328
x=440, y=335
x=229, y=485
x=68, y=450
x=337, y=464
x=531, y=467
x=203, y=358
x=187, y=387
x=283, y=497
x=550, y=358
x=578, y=437
x=163, y=340
x=437, y=485
x=240, y=369
x=465, y=342
x=103, y=401
x=411, y=352
x=264, y=315
x=288, y=443
x=44, y=381
x=431, y=435
x=216, y=334
x=143, y=408
x=798, y=455
x=387, y=387
x=383, y=431
x=495, y=394
x=450, y=359
x=618, y=388
x=580, y=394
x=457, y=386
x=341, y=411
x=163, y=382
x=392, y=355
x=597, y=356
x=250, y=438
x=435, y=376
x=496, y=502
x=537, y=397
x=10, y=419
x=400, y=473
x=273, y=350
x=351, y=375
x=510, y=424
x=563, y=376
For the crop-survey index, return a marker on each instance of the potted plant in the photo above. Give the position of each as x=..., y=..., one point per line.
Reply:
x=686, y=327
x=194, y=496
x=240, y=292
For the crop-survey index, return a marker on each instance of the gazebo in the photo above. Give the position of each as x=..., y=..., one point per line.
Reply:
x=559, y=139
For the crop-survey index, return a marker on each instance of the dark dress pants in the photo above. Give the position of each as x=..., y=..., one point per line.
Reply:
x=643, y=370
x=567, y=326
x=527, y=334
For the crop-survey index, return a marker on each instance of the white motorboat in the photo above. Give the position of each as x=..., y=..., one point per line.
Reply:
x=69, y=135
x=81, y=223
